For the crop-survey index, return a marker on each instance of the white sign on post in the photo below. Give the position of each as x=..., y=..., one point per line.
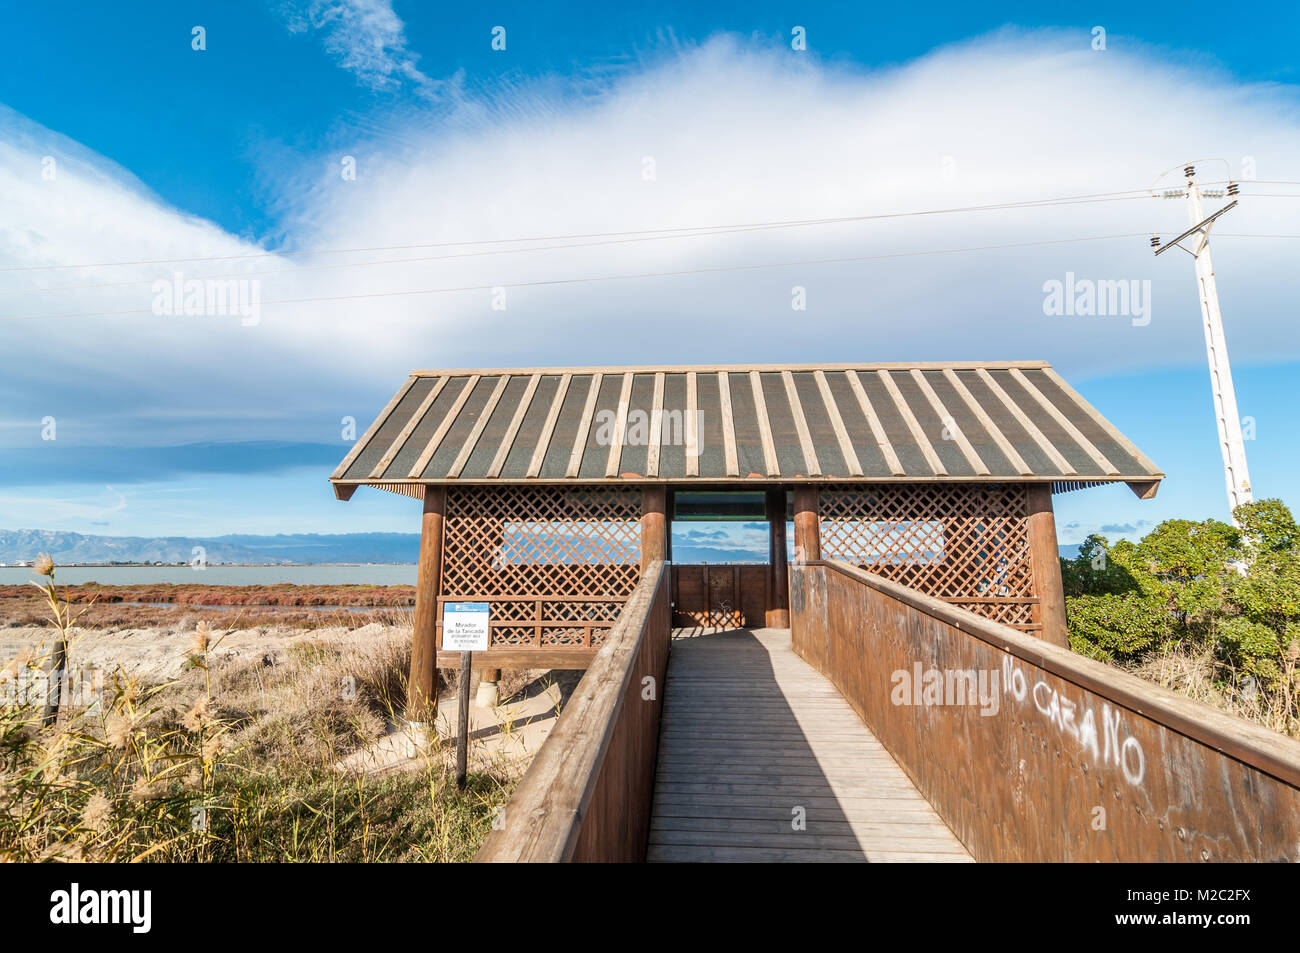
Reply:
x=465, y=627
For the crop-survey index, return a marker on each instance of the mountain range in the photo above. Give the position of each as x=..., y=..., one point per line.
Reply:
x=23, y=545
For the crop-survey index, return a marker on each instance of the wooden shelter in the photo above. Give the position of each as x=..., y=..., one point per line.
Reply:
x=547, y=490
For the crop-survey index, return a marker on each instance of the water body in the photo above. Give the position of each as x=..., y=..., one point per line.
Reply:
x=398, y=575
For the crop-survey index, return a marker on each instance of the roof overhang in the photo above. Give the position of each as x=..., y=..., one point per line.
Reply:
x=742, y=425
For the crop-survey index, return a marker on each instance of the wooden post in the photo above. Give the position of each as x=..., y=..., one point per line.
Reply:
x=654, y=525
x=671, y=508
x=1045, y=560
x=422, y=690
x=807, y=528
x=778, y=609
x=56, y=676
x=462, y=719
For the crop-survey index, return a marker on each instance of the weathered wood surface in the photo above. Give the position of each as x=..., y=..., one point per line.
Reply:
x=1044, y=558
x=573, y=659
x=913, y=423
x=1058, y=757
x=751, y=738
x=422, y=685
x=586, y=795
x=727, y=596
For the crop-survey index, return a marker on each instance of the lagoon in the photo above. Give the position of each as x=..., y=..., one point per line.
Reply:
x=370, y=575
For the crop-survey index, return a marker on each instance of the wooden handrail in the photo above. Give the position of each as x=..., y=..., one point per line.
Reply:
x=1249, y=743
x=1043, y=755
x=586, y=793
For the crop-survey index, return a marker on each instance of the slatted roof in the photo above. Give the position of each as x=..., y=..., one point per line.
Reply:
x=991, y=421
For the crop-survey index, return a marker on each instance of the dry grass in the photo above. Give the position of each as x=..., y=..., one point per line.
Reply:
x=233, y=761
x=1198, y=673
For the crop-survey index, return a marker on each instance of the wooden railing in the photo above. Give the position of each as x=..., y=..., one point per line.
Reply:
x=586, y=795
x=531, y=631
x=1056, y=757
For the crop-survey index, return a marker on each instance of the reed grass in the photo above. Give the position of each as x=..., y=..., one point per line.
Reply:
x=231, y=761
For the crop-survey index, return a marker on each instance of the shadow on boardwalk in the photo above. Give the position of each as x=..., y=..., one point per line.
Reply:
x=761, y=759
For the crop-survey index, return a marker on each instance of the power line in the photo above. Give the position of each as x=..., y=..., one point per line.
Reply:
x=1249, y=181
x=1120, y=196
x=600, y=278
x=458, y=255
x=427, y=258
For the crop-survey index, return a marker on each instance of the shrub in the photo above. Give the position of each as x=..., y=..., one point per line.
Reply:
x=1218, y=604
x=1115, y=627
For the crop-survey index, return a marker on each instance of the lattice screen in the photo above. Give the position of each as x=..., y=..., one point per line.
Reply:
x=557, y=563
x=964, y=543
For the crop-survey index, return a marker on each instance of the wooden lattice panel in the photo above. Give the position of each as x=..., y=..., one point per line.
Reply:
x=556, y=563
x=1018, y=614
x=965, y=543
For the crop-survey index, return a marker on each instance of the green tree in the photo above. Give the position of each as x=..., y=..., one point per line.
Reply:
x=1196, y=583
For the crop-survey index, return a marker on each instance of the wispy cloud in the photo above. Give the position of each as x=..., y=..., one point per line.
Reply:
x=366, y=37
x=55, y=509
x=736, y=132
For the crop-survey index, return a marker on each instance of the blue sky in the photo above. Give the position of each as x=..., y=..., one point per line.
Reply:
x=205, y=426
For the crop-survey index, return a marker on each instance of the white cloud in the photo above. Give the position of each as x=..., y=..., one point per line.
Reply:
x=737, y=133
x=62, y=510
x=366, y=37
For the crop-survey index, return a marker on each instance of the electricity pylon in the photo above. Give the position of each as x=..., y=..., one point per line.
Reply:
x=1236, y=476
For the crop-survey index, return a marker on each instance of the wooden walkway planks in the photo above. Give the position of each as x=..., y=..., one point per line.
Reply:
x=751, y=736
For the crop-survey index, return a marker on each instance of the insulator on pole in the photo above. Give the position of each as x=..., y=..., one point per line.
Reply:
x=1232, y=188
x=1155, y=241
x=1189, y=170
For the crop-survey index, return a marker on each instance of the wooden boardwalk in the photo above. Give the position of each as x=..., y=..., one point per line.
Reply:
x=752, y=740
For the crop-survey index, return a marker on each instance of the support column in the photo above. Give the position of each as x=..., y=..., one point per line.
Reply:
x=487, y=688
x=654, y=525
x=1045, y=560
x=807, y=527
x=422, y=689
x=778, y=611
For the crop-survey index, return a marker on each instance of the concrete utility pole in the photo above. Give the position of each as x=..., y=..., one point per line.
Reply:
x=1236, y=476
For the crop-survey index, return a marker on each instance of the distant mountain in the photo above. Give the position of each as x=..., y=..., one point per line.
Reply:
x=23, y=545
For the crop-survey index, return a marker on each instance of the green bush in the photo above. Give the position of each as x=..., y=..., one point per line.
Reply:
x=1229, y=593
x=1116, y=627
x=1249, y=649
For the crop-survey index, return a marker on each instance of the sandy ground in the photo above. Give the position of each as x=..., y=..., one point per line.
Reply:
x=160, y=653
x=507, y=733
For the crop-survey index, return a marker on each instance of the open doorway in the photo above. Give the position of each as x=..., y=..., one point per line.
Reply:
x=721, y=549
